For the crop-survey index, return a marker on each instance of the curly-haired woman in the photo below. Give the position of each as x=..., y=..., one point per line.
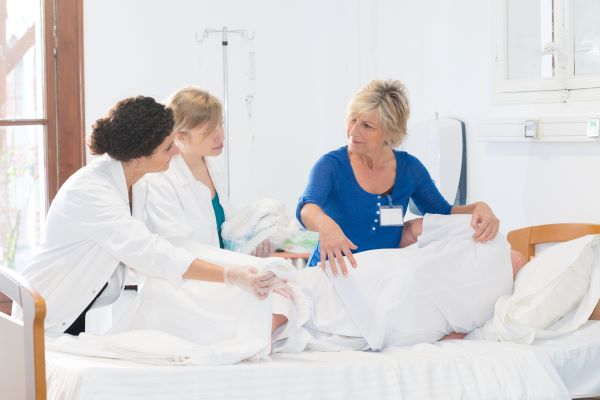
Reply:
x=91, y=236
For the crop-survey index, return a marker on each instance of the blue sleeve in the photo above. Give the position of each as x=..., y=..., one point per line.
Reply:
x=320, y=183
x=426, y=196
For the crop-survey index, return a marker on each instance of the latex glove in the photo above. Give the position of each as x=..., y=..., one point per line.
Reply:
x=334, y=245
x=484, y=222
x=248, y=279
x=285, y=290
x=264, y=249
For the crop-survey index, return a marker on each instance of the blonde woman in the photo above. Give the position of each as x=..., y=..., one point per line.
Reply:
x=188, y=203
x=354, y=193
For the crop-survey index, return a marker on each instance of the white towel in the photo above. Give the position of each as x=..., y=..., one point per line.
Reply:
x=263, y=219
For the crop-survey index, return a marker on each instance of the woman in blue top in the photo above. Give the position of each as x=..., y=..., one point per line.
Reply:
x=353, y=193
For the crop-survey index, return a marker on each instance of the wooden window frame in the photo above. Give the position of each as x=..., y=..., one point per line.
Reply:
x=64, y=123
x=65, y=129
x=60, y=28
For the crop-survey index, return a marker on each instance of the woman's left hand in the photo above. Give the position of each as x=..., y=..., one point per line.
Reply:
x=264, y=249
x=484, y=222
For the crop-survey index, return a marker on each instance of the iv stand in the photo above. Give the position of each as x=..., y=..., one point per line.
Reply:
x=224, y=43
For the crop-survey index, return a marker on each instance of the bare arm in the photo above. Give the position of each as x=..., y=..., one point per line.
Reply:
x=204, y=271
x=484, y=222
x=314, y=219
x=334, y=244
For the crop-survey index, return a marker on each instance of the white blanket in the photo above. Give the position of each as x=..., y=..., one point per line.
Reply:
x=156, y=348
x=396, y=297
x=200, y=323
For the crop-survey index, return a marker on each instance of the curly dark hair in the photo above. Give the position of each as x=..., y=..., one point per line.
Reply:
x=133, y=128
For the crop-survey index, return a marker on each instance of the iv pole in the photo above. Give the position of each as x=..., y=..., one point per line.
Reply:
x=224, y=43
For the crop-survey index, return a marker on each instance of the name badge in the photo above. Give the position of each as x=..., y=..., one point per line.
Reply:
x=391, y=215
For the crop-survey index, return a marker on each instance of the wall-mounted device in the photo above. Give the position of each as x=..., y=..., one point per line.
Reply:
x=531, y=129
x=593, y=128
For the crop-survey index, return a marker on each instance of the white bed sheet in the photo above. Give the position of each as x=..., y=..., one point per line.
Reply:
x=576, y=358
x=447, y=370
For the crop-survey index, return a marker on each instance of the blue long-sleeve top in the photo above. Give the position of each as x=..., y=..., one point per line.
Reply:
x=333, y=187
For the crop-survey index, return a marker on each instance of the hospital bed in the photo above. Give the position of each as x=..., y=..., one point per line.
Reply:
x=22, y=367
x=445, y=370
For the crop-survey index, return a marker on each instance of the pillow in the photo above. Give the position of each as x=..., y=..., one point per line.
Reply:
x=554, y=293
x=543, y=308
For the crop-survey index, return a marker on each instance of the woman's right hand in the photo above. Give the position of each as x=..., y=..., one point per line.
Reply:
x=334, y=245
x=259, y=284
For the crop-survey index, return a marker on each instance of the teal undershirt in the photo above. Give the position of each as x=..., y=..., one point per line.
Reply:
x=220, y=216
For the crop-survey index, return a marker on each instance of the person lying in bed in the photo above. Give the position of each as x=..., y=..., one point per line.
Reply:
x=445, y=284
x=413, y=229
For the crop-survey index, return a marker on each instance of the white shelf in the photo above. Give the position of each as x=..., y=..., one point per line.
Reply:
x=550, y=129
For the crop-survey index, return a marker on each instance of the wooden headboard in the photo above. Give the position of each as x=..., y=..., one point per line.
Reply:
x=524, y=240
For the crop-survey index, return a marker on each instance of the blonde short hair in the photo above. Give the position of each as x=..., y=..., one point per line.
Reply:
x=193, y=107
x=390, y=99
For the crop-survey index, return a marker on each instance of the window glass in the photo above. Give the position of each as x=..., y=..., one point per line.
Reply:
x=586, y=16
x=530, y=33
x=22, y=193
x=21, y=66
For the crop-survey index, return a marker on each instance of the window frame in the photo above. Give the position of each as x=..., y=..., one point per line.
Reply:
x=65, y=137
x=564, y=87
x=64, y=122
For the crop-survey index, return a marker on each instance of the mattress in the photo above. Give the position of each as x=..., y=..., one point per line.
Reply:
x=552, y=369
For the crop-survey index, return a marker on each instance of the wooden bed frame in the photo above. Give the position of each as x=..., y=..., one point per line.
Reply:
x=23, y=363
x=23, y=374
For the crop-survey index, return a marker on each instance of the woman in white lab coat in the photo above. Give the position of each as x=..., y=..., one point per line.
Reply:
x=188, y=203
x=91, y=236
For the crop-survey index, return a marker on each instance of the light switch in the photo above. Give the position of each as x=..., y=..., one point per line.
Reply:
x=531, y=129
x=593, y=128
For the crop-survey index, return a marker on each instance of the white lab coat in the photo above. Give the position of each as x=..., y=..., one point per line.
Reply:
x=90, y=232
x=179, y=207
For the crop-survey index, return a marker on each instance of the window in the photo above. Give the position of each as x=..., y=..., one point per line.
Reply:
x=40, y=42
x=548, y=50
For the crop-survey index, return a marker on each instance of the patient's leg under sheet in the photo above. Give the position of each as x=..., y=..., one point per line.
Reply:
x=196, y=322
x=201, y=312
x=446, y=283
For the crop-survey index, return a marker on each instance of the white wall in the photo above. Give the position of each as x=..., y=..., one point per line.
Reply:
x=310, y=57
x=443, y=51
x=305, y=72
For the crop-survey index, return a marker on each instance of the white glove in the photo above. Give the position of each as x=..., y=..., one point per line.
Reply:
x=260, y=285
